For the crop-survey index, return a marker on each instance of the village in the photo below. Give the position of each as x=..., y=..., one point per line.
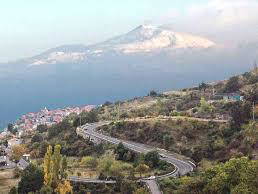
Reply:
x=30, y=121
x=26, y=124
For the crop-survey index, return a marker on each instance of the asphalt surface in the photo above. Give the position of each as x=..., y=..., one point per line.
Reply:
x=153, y=186
x=85, y=180
x=181, y=167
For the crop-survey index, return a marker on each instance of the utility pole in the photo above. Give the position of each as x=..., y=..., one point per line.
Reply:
x=253, y=106
x=253, y=111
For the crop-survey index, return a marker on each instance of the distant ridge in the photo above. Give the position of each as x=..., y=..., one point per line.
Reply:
x=142, y=39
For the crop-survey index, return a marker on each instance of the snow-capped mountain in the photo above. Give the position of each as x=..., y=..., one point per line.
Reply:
x=146, y=38
x=143, y=39
x=62, y=54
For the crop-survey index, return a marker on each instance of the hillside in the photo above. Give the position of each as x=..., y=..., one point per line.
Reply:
x=199, y=122
x=203, y=101
x=211, y=125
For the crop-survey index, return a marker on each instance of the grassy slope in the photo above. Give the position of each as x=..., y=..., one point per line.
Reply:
x=186, y=137
x=7, y=180
x=194, y=139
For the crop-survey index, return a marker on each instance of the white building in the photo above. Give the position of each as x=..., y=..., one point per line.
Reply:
x=13, y=142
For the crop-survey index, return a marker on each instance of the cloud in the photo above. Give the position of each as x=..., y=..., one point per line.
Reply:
x=223, y=20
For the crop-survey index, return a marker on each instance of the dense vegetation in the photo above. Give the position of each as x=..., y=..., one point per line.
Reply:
x=117, y=163
x=64, y=134
x=48, y=178
x=191, y=138
x=208, y=143
x=235, y=176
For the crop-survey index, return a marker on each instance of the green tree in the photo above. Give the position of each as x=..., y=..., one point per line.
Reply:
x=153, y=93
x=63, y=169
x=109, y=167
x=127, y=186
x=120, y=151
x=43, y=148
x=152, y=159
x=205, y=107
x=36, y=138
x=252, y=95
x=56, y=129
x=54, y=169
x=141, y=190
x=48, y=174
x=56, y=165
x=232, y=85
x=89, y=162
x=86, y=117
x=203, y=86
x=105, y=163
x=116, y=169
x=167, y=141
x=42, y=128
x=142, y=168
x=251, y=133
x=123, y=153
x=46, y=190
x=32, y=179
x=235, y=175
x=10, y=127
x=240, y=114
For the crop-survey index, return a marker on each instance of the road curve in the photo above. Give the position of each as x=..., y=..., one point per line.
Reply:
x=181, y=167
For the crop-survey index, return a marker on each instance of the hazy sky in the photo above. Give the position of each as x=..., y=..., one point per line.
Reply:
x=28, y=27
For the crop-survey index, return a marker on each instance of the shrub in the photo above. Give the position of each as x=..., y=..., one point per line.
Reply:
x=152, y=159
x=31, y=180
x=36, y=138
x=153, y=93
x=89, y=162
x=232, y=85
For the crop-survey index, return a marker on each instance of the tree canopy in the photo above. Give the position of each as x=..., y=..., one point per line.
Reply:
x=54, y=170
x=233, y=85
x=238, y=175
x=31, y=180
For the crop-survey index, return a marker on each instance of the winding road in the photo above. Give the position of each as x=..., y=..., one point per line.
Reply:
x=182, y=167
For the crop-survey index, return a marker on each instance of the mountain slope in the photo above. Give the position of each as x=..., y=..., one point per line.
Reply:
x=143, y=39
x=149, y=38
